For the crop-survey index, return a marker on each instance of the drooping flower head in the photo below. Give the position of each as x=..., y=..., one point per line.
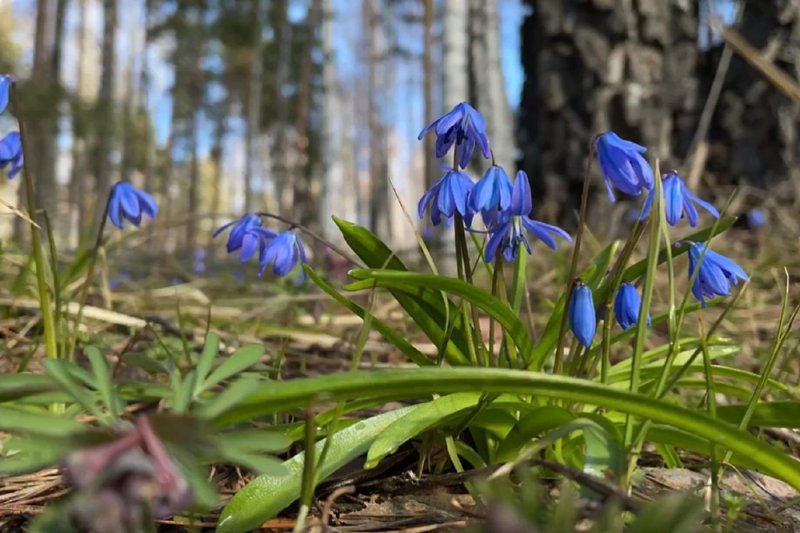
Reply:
x=510, y=227
x=129, y=203
x=678, y=201
x=11, y=153
x=447, y=197
x=465, y=127
x=283, y=252
x=5, y=86
x=756, y=218
x=627, y=305
x=581, y=314
x=716, y=274
x=240, y=229
x=623, y=165
x=491, y=195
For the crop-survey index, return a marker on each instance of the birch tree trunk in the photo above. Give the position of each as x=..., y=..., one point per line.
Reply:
x=334, y=196
x=78, y=219
x=455, y=53
x=489, y=86
x=379, y=221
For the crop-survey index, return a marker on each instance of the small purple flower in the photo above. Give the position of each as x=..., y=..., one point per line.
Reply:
x=581, y=314
x=11, y=153
x=678, y=201
x=511, y=226
x=129, y=203
x=447, y=197
x=465, y=127
x=716, y=275
x=756, y=218
x=283, y=252
x=627, y=305
x=491, y=195
x=242, y=231
x=622, y=165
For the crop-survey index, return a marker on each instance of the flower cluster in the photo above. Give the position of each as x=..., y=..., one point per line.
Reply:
x=624, y=168
x=505, y=207
x=283, y=251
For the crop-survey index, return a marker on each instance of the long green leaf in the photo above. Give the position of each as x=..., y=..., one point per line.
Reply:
x=397, y=340
x=266, y=496
x=427, y=309
x=239, y=361
x=408, y=383
x=491, y=305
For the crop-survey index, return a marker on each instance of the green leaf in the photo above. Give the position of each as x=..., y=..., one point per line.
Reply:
x=427, y=307
x=206, y=360
x=395, y=384
x=16, y=386
x=425, y=417
x=230, y=397
x=103, y=381
x=59, y=370
x=265, y=496
x=239, y=361
x=15, y=420
x=491, y=305
x=671, y=513
x=255, y=440
x=394, y=338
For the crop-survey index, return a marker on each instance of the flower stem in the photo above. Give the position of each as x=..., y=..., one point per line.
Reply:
x=48, y=318
x=98, y=243
x=573, y=268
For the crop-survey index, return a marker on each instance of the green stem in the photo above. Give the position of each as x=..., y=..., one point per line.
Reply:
x=48, y=319
x=573, y=267
x=98, y=243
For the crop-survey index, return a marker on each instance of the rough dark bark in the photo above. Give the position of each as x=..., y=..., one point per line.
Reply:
x=590, y=66
x=753, y=137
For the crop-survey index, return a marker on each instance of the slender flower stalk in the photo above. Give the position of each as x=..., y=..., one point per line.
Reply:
x=48, y=317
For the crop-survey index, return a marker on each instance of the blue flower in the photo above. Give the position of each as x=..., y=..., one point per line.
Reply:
x=5, y=86
x=465, y=127
x=492, y=194
x=716, y=275
x=284, y=252
x=510, y=227
x=447, y=197
x=129, y=203
x=678, y=201
x=756, y=218
x=622, y=165
x=582, y=319
x=627, y=305
x=241, y=230
x=11, y=153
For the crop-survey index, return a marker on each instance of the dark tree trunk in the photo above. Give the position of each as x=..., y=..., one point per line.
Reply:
x=597, y=65
x=753, y=136
x=105, y=108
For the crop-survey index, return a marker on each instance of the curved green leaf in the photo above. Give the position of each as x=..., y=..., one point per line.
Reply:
x=266, y=496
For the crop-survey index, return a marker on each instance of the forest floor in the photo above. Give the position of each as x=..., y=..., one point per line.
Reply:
x=308, y=335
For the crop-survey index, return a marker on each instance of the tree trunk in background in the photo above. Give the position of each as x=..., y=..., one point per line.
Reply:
x=37, y=117
x=105, y=109
x=303, y=210
x=144, y=105
x=284, y=192
x=79, y=217
x=488, y=85
x=427, y=89
x=379, y=191
x=196, y=90
x=754, y=132
x=253, y=108
x=128, y=105
x=596, y=65
x=333, y=195
x=217, y=157
x=455, y=54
